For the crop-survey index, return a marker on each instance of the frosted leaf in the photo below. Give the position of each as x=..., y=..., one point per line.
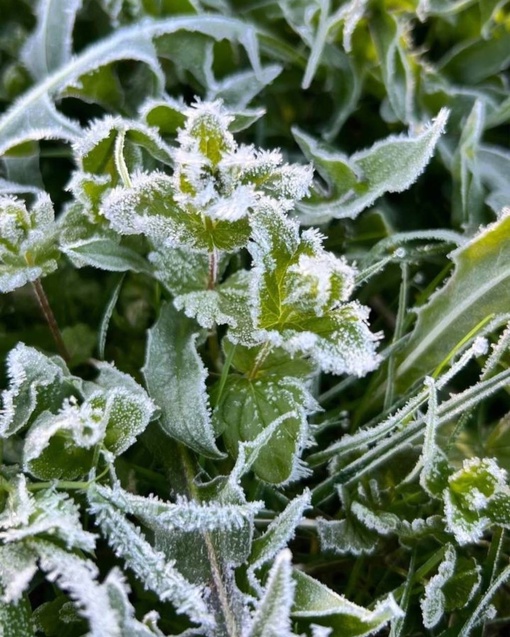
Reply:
x=78, y=577
x=175, y=376
x=205, y=308
x=36, y=383
x=382, y=522
x=452, y=588
x=272, y=616
x=149, y=565
x=354, y=183
x=346, y=536
x=313, y=600
x=278, y=534
x=477, y=496
x=250, y=405
x=45, y=513
x=50, y=45
x=27, y=241
x=180, y=269
x=237, y=90
x=99, y=140
x=18, y=564
x=300, y=297
x=185, y=514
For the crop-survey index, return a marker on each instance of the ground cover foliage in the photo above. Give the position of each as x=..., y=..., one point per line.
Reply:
x=254, y=319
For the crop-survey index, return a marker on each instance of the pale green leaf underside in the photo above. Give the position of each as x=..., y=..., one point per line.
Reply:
x=479, y=287
x=175, y=378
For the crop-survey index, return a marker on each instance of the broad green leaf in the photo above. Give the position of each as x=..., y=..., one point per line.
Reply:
x=494, y=164
x=277, y=362
x=16, y=619
x=452, y=588
x=175, y=377
x=149, y=207
x=50, y=46
x=27, y=242
x=35, y=117
x=478, y=288
x=180, y=270
x=301, y=297
x=354, y=183
x=248, y=406
x=37, y=383
x=478, y=496
x=272, y=615
x=315, y=601
x=237, y=91
x=346, y=537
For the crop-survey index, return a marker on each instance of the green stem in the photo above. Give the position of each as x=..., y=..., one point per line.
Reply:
x=44, y=304
x=399, y=328
x=213, y=270
x=218, y=586
x=224, y=372
x=259, y=360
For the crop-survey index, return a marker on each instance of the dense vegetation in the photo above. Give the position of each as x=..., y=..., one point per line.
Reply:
x=255, y=319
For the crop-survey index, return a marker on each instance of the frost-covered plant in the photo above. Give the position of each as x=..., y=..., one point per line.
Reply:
x=190, y=463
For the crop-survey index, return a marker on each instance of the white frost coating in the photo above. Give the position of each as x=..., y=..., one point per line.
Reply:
x=382, y=522
x=433, y=602
x=150, y=566
x=51, y=513
x=281, y=530
x=272, y=615
x=205, y=308
x=185, y=514
x=78, y=578
x=468, y=499
x=17, y=567
x=29, y=372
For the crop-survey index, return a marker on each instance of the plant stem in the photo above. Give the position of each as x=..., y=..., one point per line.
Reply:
x=50, y=319
x=259, y=360
x=213, y=270
x=218, y=586
x=120, y=162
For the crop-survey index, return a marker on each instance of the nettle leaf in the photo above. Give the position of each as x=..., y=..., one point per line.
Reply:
x=27, y=242
x=477, y=289
x=148, y=564
x=452, y=588
x=37, y=383
x=150, y=207
x=301, y=298
x=272, y=615
x=249, y=405
x=278, y=535
x=175, y=377
x=44, y=513
x=355, y=182
x=315, y=601
x=50, y=46
x=477, y=497
x=257, y=361
x=180, y=269
x=348, y=536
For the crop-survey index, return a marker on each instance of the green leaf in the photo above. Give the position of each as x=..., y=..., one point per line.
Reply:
x=175, y=377
x=301, y=298
x=452, y=588
x=477, y=289
x=278, y=534
x=18, y=565
x=271, y=617
x=35, y=117
x=478, y=495
x=16, y=619
x=50, y=46
x=37, y=383
x=27, y=242
x=277, y=362
x=248, y=406
x=315, y=601
x=354, y=183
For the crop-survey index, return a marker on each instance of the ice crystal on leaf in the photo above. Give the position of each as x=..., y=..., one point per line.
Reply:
x=27, y=241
